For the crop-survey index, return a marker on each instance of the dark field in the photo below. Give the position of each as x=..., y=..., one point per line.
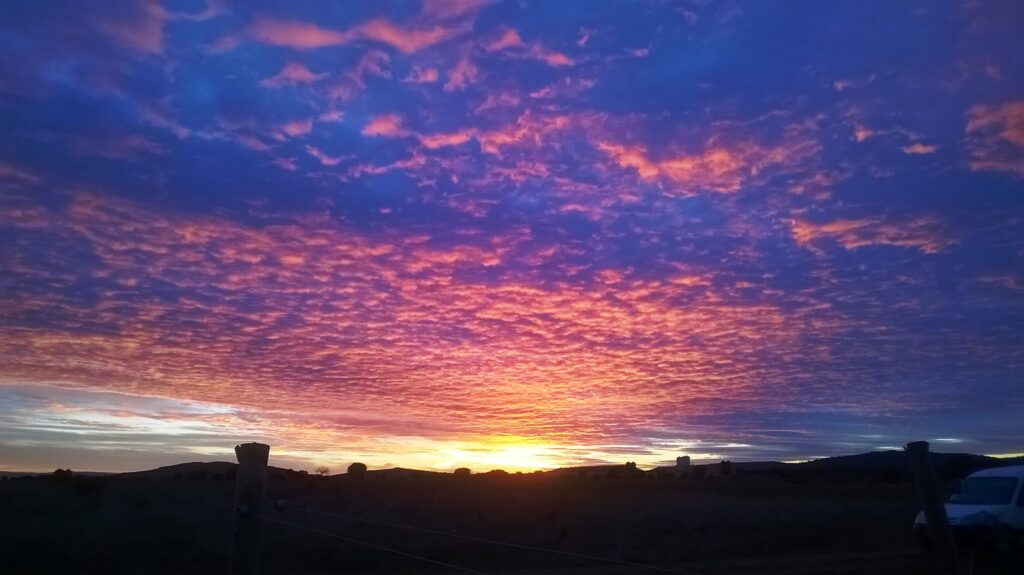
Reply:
x=181, y=523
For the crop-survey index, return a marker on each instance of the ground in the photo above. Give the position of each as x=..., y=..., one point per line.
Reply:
x=182, y=523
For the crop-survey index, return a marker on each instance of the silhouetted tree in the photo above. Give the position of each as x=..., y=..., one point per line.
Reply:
x=63, y=474
x=463, y=472
x=357, y=470
x=322, y=470
x=725, y=467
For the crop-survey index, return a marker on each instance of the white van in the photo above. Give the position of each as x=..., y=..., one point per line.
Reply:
x=987, y=498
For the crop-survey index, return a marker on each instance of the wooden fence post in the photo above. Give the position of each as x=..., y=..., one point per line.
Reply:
x=250, y=489
x=942, y=542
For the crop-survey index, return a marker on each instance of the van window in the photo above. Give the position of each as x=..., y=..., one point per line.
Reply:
x=985, y=491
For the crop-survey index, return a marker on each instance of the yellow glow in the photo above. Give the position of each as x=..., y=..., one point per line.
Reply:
x=503, y=454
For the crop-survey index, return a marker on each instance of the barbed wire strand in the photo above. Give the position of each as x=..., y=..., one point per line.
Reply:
x=368, y=544
x=491, y=541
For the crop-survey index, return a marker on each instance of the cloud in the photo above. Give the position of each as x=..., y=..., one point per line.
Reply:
x=291, y=74
x=304, y=36
x=719, y=167
x=117, y=147
x=297, y=35
x=434, y=141
x=995, y=137
x=297, y=128
x=422, y=76
x=461, y=75
x=924, y=234
x=11, y=174
x=213, y=9
x=451, y=9
x=137, y=26
x=325, y=160
x=511, y=43
x=508, y=39
x=372, y=63
x=861, y=133
x=387, y=125
x=919, y=149
x=406, y=39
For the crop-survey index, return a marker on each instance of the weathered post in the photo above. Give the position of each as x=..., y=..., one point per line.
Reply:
x=250, y=489
x=943, y=544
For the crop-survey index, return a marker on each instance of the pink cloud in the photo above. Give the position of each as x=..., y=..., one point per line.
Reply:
x=631, y=157
x=371, y=63
x=860, y=133
x=160, y=119
x=422, y=76
x=919, y=149
x=297, y=35
x=387, y=125
x=404, y=39
x=324, y=159
x=511, y=43
x=463, y=74
x=450, y=9
x=508, y=39
x=14, y=174
x=297, y=128
x=291, y=74
x=137, y=26
x=434, y=141
x=331, y=116
x=225, y=43
x=304, y=36
x=995, y=137
x=719, y=167
x=286, y=164
x=924, y=234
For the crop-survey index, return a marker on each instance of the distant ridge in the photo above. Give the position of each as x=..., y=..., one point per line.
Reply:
x=870, y=462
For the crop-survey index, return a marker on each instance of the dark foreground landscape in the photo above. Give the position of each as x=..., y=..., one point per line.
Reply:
x=839, y=515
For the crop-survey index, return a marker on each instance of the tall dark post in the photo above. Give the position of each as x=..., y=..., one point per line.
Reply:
x=943, y=544
x=250, y=489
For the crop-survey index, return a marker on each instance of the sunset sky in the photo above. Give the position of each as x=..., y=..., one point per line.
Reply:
x=514, y=235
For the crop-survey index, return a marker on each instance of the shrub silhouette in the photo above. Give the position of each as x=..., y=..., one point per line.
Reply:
x=63, y=474
x=357, y=470
x=463, y=472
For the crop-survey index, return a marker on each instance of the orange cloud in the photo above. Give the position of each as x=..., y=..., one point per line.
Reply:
x=924, y=234
x=860, y=133
x=718, y=167
x=631, y=157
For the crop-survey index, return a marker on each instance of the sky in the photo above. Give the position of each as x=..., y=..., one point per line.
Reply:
x=517, y=235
